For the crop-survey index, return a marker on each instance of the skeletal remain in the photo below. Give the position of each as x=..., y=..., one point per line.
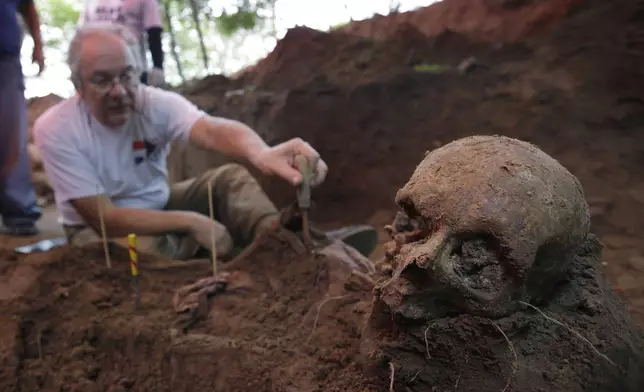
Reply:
x=485, y=221
x=505, y=226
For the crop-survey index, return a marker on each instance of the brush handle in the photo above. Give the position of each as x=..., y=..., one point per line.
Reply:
x=307, y=170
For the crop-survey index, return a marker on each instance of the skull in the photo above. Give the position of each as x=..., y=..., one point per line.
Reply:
x=497, y=220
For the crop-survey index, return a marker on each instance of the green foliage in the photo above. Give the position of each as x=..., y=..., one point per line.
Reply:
x=229, y=24
x=59, y=17
x=60, y=13
x=338, y=25
x=247, y=16
x=225, y=25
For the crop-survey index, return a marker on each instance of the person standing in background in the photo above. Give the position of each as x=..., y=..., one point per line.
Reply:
x=18, y=204
x=141, y=17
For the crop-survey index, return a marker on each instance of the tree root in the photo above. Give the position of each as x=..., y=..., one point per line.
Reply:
x=514, y=353
x=577, y=334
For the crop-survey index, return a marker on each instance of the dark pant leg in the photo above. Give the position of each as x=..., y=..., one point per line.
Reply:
x=18, y=203
x=9, y=126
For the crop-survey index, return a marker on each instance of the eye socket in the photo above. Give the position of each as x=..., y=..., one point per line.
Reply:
x=408, y=208
x=471, y=244
x=414, y=221
x=477, y=259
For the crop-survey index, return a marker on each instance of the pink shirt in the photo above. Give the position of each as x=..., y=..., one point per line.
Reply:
x=138, y=15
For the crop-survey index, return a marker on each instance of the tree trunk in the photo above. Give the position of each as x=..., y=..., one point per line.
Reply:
x=273, y=18
x=195, y=18
x=173, y=41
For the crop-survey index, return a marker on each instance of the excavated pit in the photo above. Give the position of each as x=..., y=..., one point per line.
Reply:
x=571, y=89
x=294, y=324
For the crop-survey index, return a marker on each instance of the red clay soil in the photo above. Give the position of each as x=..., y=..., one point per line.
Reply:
x=480, y=20
x=335, y=58
x=488, y=21
x=571, y=89
x=581, y=339
x=69, y=324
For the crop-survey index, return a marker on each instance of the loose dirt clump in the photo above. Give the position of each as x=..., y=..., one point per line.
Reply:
x=294, y=324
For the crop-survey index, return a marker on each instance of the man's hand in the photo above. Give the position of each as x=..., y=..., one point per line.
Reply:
x=28, y=11
x=235, y=139
x=156, y=77
x=201, y=228
x=38, y=58
x=280, y=160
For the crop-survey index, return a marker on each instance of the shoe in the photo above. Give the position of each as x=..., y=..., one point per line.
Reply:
x=363, y=238
x=21, y=230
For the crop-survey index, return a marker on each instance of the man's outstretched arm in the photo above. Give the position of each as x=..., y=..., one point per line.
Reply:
x=184, y=121
x=236, y=139
x=119, y=222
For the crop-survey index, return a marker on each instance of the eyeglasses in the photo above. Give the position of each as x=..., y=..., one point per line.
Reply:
x=104, y=83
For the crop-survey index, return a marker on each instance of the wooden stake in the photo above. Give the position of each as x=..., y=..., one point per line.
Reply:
x=106, y=247
x=213, y=250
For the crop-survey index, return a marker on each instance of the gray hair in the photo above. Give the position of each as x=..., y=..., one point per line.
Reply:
x=100, y=28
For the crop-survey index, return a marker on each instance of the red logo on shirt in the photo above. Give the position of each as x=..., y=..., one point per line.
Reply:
x=138, y=145
x=142, y=149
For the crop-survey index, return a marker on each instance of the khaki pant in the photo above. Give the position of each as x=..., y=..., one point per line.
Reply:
x=240, y=205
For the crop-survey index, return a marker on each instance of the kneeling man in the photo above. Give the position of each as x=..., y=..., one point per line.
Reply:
x=107, y=146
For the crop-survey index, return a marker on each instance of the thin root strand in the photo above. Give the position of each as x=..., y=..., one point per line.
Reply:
x=577, y=334
x=317, y=314
x=427, y=342
x=514, y=353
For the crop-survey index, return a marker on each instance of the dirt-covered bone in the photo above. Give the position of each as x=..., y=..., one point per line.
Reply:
x=492, y=281
x=504, y=219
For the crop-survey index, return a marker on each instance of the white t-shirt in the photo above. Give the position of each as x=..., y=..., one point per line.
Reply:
x=138, y=15
x=83, y=158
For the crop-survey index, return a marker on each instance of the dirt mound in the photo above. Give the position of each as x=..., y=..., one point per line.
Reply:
x=488, y=21
x=295, y=322
x=582, y=339
x=294, y=326
x=306, y=56
x=481, y=20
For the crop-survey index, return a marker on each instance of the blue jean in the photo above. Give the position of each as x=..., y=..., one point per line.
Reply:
x=18, y=203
